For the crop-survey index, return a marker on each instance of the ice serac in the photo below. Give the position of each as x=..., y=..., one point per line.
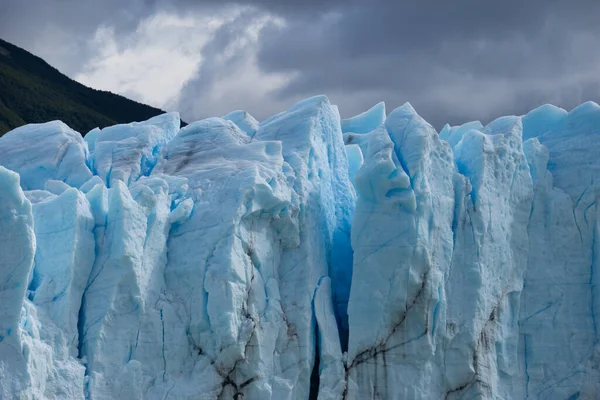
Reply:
x=64, y=230
x=396, y=310
x=64, y=256
x=40, y=152
x=355, y=160
x=221, y=290
x=553, y=297
x=301, y=257
x=322, y=204
x=244, y=121
x=332, y=383
x=453, y=135
x=126, y=152
x=441, y=319
x=39, y=294
x=17, y=249
x=489, y=259
x=559, y=311
x=542, y=119
x=366, y=121
x=111, y=300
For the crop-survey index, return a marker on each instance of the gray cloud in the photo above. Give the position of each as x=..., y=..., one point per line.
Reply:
x=438, y=54
x=454, y=61
x=58, y=30
x=217, y=66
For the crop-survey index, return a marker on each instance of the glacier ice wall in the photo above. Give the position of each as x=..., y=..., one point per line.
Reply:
x=302, y=256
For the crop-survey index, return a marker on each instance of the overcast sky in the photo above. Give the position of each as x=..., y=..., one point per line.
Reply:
x=453, y=60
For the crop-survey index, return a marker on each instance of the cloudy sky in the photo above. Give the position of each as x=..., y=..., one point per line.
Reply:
x=453, y=60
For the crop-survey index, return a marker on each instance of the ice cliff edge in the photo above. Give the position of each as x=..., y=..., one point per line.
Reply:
x=302, y=256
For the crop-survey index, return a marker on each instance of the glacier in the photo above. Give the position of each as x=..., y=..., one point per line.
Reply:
x=303, y=256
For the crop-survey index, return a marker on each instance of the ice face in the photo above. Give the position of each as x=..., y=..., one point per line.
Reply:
x=560, y=299
x=18, y=249
x=406, y=178
x=244, y=121
x=302, y=256
x=313, y=148
x=40, y=152
x=126, y=152
x=365, y=122
x=355, y=160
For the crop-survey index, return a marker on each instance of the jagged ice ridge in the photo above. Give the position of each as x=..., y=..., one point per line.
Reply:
x=302, y=256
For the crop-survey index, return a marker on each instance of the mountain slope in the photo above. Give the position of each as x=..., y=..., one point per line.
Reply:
x=32, y=91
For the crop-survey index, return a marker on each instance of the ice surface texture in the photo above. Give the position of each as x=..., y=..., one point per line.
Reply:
x=302, y=256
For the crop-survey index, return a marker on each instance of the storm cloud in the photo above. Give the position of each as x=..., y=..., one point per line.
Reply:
x=454, y=61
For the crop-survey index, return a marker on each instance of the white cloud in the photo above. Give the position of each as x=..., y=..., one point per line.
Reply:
x=163, y=56
x=231, y=79
x=153, y=63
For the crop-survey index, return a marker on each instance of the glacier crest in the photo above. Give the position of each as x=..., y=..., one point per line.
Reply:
x=302, y=256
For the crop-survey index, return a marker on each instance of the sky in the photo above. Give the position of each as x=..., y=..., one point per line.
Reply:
x=454, y=61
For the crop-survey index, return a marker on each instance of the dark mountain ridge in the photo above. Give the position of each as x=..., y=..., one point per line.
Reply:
x=32, y=91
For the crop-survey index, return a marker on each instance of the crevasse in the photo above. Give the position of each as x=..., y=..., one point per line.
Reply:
x=302, y=256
